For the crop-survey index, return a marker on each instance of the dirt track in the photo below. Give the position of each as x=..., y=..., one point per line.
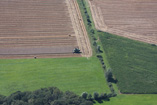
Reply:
x=35, y=28
x=79, y=28
x=135, y=19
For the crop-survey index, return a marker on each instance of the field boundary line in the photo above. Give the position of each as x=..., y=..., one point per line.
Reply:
x=35, y=37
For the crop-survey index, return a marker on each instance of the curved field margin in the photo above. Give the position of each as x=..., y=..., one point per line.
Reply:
x=134, y=19
x=41, y=29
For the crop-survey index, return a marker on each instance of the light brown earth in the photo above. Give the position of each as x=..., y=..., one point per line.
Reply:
x=41, y=28
x=135, y=19
x=79, y=27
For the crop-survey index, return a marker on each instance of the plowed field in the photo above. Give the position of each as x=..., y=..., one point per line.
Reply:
x=41, y=28
x=135, y=19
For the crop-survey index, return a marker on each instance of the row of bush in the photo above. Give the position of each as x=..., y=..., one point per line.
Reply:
x=91, y=31
x=53, y=96
x=108, y=75
x=97, y=96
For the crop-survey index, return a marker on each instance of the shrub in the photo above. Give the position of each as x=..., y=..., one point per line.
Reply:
x=112, y=89
x=96, y=95
x=89, y=24
x=89, y=96
x=109, y=95
x=109, y=75
x=92, y=31
x=99, y=56
x=104, y=66
x=94, y=43
x=103, y=96
x=94, y=38
x=84, y=95
x=89, y=20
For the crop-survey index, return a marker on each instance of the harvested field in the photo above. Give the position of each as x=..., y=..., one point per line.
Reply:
x=37, y=27
x=135, y=19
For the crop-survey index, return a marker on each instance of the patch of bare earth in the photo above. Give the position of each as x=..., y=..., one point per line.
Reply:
x=40, y=28
x=135, y=19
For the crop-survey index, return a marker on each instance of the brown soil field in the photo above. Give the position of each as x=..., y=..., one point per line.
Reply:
x=135, y=19
x=41, y=28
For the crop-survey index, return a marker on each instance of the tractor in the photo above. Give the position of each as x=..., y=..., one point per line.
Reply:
x=76, y=50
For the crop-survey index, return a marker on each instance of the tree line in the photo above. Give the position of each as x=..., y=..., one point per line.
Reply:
x=44, y=96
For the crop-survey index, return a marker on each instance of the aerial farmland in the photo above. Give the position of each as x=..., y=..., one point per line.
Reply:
x=40, y=28
x=135, y=19
x=78, y=52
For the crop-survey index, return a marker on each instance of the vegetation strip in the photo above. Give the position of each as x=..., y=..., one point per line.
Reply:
x=92, y=32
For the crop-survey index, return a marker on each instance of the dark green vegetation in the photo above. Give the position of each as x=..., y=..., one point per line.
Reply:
x=44, y=96
x=74, y=74
x=134, y=63
x=97, y=97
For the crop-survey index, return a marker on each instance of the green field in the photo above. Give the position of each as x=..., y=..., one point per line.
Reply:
x=74, y=74
x=134, y=63
x=141, y=99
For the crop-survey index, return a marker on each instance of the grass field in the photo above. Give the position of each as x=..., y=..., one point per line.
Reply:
x=74, y=74
x=141, y=99
x=133, y=63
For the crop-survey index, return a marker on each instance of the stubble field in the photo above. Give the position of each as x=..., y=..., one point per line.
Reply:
x=39, y=28
x=135, y=19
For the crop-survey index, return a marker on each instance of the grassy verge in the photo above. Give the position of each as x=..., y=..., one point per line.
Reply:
x=93, y=35
x=94, y=38
x=74, y=74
